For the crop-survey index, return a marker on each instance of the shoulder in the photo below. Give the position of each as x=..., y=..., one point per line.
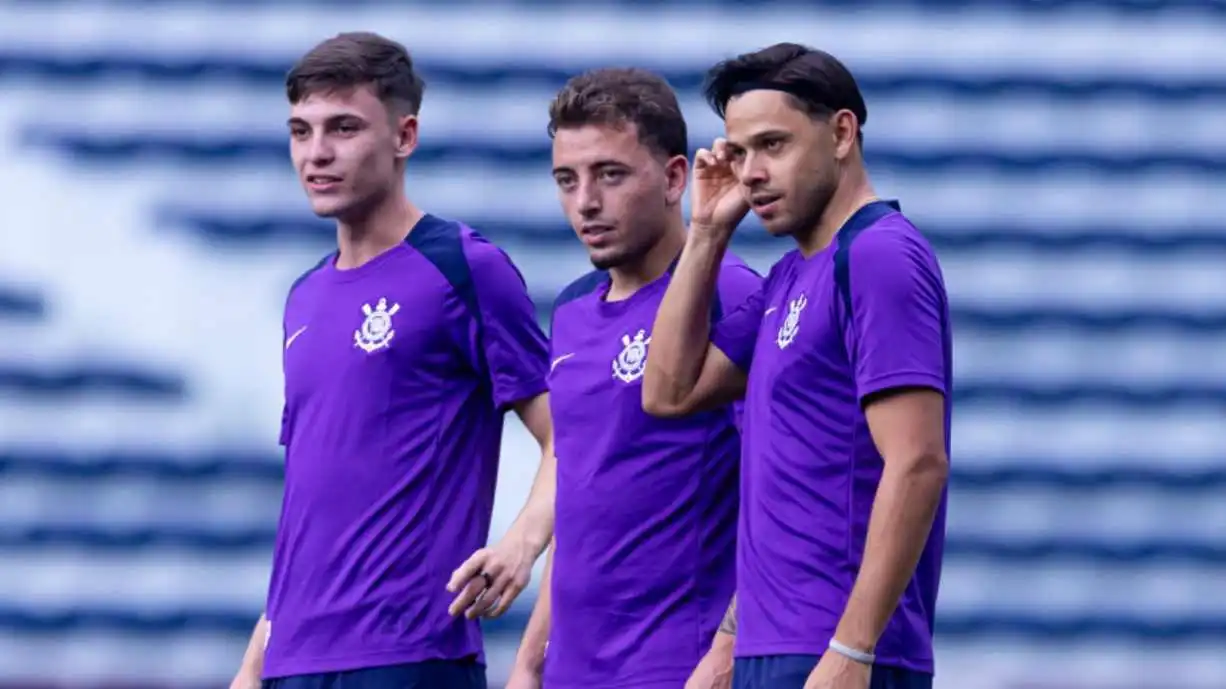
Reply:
x=892, y=243
x=306, y=276
x=585, y=285
x=737, y=282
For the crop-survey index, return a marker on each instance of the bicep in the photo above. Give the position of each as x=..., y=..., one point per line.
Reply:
x=534, y=412
x=908, y=424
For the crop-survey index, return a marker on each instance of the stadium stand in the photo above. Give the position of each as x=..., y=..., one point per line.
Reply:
x=1067, y=158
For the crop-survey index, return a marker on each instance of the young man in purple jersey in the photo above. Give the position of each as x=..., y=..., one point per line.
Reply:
x=643, y=564
x=844, y=358
x=403, y=350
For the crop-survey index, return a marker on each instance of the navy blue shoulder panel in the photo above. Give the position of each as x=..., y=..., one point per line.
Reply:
x=441, y=242
x=857, y=223
x=581, y=287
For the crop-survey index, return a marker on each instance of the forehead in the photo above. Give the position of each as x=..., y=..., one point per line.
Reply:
x=595, y=143
x=763, y=110
x=321, y=105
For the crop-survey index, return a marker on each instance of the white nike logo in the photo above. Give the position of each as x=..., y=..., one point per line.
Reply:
x=771, y=309
x=290, y=340
x=559, y=360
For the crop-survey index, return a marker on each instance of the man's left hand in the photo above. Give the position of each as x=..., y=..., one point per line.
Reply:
x=836, y=671
x=492, y=578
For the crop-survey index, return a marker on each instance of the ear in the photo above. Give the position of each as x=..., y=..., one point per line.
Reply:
x=406, y=136
x=677, y=172
x=845, y=128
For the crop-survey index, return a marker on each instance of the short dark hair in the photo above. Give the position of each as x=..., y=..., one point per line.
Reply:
x=350, y=60
x=616, y=96
x=816, y=81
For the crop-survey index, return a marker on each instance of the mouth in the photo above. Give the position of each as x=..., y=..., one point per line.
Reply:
x=764, y=203
x=322, y=183
x=596, y=234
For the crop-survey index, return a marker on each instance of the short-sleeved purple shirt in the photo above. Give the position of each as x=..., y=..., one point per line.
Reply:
x=866, y=315
x=646, y=508
x=397, y=377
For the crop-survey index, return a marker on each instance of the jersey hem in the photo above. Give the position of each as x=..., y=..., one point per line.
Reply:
x=311, y=666
x=758, y=650
x=665, y=679
x=902, y=379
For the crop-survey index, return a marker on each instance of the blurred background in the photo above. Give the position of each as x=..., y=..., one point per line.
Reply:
x=1066, y=157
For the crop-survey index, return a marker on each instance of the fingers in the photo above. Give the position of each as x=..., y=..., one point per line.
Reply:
x=716, y=155
x=470, y=582
x=515, y=586
x=467, y=571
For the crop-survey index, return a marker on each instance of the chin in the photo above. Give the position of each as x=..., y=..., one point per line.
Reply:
x=609, y=258
x=777, y=227
x=329, y=208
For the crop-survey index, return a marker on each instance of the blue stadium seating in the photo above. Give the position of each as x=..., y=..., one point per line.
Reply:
x=1066, y=157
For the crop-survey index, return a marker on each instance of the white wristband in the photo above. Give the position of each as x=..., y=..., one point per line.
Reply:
x=849, y=652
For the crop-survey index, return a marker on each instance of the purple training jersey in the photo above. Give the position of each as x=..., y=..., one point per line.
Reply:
x=644, y=564
x=866, y=315
x=397, y=376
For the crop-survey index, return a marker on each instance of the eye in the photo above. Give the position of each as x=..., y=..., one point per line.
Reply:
x=564, y=183
x=773, y=144
x=298, y=132
x=612, y=175
x=347, y=129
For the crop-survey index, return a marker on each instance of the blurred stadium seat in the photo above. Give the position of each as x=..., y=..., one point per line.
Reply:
x=1067, y=157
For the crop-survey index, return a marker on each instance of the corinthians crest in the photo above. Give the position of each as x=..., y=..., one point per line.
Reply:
x=376, y=331
x=628, y=366
x=791, y=323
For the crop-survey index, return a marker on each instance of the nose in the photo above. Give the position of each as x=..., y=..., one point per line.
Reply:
x=753, y=172
x=590, y=201
x=320, y=151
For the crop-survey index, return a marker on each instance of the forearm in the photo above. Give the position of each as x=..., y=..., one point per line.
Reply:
x=903, y=512
x=726, y=634
x=681, y=333
x=531, y=654
x=253, y=657
x=535, y=521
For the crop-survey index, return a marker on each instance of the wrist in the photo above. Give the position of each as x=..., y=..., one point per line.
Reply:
x=853, y=653
x=533, y=531
x=713, y=234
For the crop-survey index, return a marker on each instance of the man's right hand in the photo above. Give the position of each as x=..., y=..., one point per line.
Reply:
x=714, y=671
x=717, y=201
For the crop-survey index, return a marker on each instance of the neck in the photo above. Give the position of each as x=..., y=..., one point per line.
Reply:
x=630, y=277
x=853, y=193
x=384, y=226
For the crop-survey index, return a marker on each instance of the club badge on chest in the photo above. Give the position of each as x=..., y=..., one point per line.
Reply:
x=376, y=332
x=629, y=364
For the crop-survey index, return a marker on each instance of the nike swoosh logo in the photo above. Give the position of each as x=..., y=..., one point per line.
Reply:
x=770, y=310
x=290, y=340
x=559, y=360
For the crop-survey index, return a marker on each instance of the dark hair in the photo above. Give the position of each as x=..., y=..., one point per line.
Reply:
x=350, y=60
x=817, y=82
x=615, y=96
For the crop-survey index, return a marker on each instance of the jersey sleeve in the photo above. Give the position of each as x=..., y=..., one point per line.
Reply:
x=899, y=314
x=509, y=346
x=736, y=332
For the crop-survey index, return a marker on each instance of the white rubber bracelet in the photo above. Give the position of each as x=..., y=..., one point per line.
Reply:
x=849, y=652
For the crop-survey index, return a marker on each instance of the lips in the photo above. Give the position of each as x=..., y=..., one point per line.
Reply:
x=595, y=233
x=763, y=200
x=322, y=182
